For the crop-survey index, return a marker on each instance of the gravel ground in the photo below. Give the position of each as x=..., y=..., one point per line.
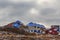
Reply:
x=29, y=38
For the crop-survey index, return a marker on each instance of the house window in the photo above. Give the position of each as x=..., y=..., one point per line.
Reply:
x=38, y=27
x=30, y=30
x=38, y=31
x=35, y=30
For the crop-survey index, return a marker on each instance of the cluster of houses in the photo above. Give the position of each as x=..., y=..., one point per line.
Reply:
x=36, y=28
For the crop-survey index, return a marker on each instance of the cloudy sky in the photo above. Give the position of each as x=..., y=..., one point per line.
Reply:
x=45, y=12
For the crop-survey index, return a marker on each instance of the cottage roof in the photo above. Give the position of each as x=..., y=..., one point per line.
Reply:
x=31, y=24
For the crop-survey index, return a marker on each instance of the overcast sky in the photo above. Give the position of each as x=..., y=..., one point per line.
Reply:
x=45, y=12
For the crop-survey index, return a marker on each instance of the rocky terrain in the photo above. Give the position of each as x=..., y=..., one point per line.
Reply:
x=5, y=35
x=29, y=37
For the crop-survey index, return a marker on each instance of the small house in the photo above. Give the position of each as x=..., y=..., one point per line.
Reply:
x=35, y=28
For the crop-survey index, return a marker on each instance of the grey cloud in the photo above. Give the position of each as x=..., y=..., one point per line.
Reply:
x=53, y=22
x=48, y=11
x=20, y=11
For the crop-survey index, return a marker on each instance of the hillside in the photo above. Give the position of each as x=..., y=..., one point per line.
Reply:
x=12, y=32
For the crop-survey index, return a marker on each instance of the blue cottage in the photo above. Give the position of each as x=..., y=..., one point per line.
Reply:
x=17, y=24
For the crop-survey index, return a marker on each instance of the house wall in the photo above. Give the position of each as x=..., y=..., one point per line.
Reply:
x=32, y=29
